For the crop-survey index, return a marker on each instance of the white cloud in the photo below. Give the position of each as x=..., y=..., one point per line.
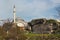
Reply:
x=37, y=5
x=34, y=8
x=55, y=1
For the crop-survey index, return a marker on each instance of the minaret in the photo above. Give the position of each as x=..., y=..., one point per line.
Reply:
x=14, y=12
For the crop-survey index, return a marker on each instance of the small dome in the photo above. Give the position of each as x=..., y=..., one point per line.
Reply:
x=19, y=19
x=20, y=24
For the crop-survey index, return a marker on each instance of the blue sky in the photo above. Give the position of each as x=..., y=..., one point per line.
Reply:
x=29, y=9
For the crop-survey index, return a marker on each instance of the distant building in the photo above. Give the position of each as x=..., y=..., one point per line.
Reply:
x=43, y=26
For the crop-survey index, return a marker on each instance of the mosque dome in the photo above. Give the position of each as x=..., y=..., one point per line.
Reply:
x=21, y=23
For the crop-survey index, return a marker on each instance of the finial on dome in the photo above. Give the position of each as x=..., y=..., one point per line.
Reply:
x=14, y=6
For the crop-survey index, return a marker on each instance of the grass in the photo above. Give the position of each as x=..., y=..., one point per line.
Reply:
x=31, y=34
x=38, y=36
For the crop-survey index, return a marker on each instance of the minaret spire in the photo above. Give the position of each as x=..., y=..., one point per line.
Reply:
x=14, y=12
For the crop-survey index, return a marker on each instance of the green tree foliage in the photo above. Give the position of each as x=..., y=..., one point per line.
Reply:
x=51, y=21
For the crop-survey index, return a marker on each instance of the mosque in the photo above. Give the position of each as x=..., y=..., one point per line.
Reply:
x=18, y=21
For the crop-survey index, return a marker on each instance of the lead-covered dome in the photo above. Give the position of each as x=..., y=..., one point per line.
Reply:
x=21, y=23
